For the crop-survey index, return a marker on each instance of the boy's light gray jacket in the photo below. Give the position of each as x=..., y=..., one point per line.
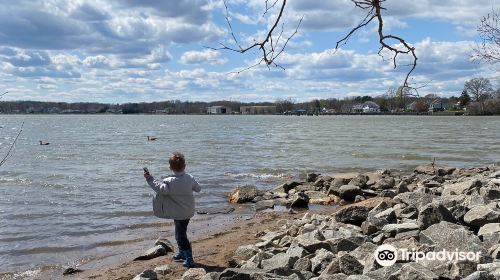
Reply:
x=174, y=196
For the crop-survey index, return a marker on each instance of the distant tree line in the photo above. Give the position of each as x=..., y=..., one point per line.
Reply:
x=477, y=98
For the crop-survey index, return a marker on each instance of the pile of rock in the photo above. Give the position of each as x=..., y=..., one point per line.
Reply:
x=431, y=210
x=322, y=189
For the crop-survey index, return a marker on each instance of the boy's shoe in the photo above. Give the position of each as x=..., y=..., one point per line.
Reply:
x=179, y=256
x=188, y=262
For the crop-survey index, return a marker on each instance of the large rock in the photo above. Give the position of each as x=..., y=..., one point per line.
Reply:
x=384, y=183
x=279, y=261
x=349, y=192
x=465, y=187
x=481, y=215
x=393, y=229
x=433, y=213
x=349, y=265
x=352, y=214
x=243, y=194
x=300, y=200
x=321, y=260
x=245, y=252
x=428, y=169
x=248, y=274
x=451, y=237
x=194, y=274
x=359, y=181
x=169, y=247
x=414, y=199
x=377, y=219
x=146, y=275
x=163, y=269
x=152, y=253
x=490, y=234
x=413, y=271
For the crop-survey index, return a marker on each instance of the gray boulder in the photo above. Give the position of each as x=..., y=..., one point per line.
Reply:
x=163, y=269
x=352, y=214
x=349, y=192
x=245, y=252
x=152, y=253
x=349, y=265
x=194, y=274
x=279, y=261
x=377, y=220
x=490, y=234
x=302, y=264
x=321, y=260
x=433, y=213
x=169, y=247
x=146, y=275
x=384, y=184
x=264, y=204
x=300, y=200
x=428, y=169
x=393, y=229
x=465, y=187
x=451, y=237
x=413, y=271
x=359, y=181
x=490, y=193
x=243, y=194
x=414, y=199
x=481, y=215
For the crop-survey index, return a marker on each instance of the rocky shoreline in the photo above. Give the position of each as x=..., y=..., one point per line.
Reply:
x=450, y=214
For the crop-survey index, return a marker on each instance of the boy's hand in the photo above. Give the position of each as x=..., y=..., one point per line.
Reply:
x=146, y=174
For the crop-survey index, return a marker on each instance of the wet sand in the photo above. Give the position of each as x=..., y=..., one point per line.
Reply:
x=212, y=251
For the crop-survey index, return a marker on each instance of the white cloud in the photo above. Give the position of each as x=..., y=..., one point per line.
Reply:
x=201, y=57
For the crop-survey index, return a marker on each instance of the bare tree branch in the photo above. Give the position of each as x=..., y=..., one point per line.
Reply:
x=12, y=146
x=489, y=32
x=374, y=11
x=1, y=95
x=269, y=47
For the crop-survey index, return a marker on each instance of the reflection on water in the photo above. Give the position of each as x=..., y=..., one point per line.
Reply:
x=85, y=191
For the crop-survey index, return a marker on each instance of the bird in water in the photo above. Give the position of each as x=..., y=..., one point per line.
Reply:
x=152, y=138
x=44, y=143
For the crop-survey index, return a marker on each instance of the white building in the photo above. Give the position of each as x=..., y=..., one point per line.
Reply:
x=371, y=107
x=218, y=110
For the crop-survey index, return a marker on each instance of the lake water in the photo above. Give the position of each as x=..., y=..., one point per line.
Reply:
x=84, y=195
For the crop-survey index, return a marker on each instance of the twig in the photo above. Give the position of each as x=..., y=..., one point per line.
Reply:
x=268, y=46
x=12, y=146
x=375, y=8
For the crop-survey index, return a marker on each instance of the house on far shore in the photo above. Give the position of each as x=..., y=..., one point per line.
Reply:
x=438, y=105
x=257, y=110
x=412, y=107
x=358, y=108
x=218, y=110
x=371, y=107
x=367, y=107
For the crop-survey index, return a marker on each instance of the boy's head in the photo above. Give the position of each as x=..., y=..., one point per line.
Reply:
x=177, y=162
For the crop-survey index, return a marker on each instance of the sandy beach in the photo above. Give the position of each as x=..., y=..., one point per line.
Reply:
x=213, y=252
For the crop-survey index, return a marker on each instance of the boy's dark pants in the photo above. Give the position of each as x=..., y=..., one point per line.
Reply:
x=181, y=234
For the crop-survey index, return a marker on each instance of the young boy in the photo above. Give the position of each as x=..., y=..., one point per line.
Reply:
x=174, y=200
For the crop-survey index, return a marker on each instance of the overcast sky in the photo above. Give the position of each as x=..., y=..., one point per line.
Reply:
x=120, y=51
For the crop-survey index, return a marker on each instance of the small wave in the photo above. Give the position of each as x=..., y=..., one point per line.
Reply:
x=125, y=214
x=260, y=176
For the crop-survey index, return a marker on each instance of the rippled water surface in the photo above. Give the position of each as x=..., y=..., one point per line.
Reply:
x=84, y=193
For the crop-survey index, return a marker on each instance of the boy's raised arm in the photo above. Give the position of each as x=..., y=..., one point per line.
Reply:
x=158, y=186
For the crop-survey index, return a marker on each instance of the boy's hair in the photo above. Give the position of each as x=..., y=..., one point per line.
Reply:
x=177, y=162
